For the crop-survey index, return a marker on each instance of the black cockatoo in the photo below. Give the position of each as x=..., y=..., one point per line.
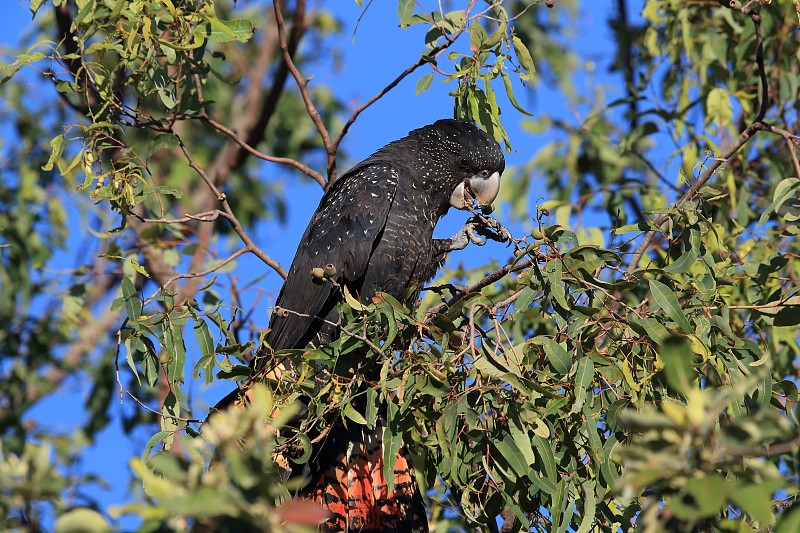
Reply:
x=373, y=232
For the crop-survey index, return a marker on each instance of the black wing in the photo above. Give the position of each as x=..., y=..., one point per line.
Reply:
x=344, y=232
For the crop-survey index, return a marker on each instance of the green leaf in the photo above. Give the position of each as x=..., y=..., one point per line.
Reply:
x=787, y=316
x=557, y=505
x=589, y=507
x=524, y=57
x=176, y=350
x=206, y=344
x=166, y=98
x=676, y=354
x=543, y=446
x=654, y=329
x=35, y=5
x=788, y=188
x=499, y=33
x=684, y=262
x=756, y=499
x=56, y=149
x=477, y=36
x=558, y=356
x=525, y=299
x=490, y=366
x=156, y=439
x=666, y=299
x=583, y=381
x=405, y=12
x=718, y=107
x=204, y=341
x=608, y=469
x=350, y=412
x=522, y=440
x=241, y=29
x=22, y=60
x=554, y=274
x=371, y=411
x=166, y=141
x=129, y=359
x=354, y=304
x=155, y=486
x=708, y=493
x=512, y=455
x=424, y=83
x=510, y=93
x=81, y=520
x=133, y=304
x=308, y=449
x=217, y=31
x=392, y=442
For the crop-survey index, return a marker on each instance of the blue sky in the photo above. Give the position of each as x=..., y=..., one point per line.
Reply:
x=390, y=118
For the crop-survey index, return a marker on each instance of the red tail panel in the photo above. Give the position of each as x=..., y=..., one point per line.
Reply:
x=354, y=490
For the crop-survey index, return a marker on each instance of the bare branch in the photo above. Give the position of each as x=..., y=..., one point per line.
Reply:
x=316, y=176
x=792, y=141
x=487, y=280
x=421, y=61
x=778, y=448
x=250, y=246
x=270, y=103
x=302, y=84
x=207, y=216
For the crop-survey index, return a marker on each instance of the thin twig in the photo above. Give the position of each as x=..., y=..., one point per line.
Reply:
x=302, y=84
x=498, y=274
x=313, y=174
x=208, y=271
x=207, y=216
x=791, y=142
x=250, y=246
x=421, y=61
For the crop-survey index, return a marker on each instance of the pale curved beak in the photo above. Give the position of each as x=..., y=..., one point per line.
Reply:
x=476, y=189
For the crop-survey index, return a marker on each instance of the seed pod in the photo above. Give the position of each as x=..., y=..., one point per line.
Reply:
x=330, y=270
x=318, y=273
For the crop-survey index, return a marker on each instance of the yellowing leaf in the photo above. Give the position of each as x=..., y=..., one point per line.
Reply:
x=718, y=107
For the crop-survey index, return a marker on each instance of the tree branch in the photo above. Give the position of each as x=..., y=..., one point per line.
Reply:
x=791, y=142
x=770, y=450
x=313, y=174
x=270, y=103
x=200, y=274
x=250, y=246
x=487, y=280
x=302, y=84
x=421, y=61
